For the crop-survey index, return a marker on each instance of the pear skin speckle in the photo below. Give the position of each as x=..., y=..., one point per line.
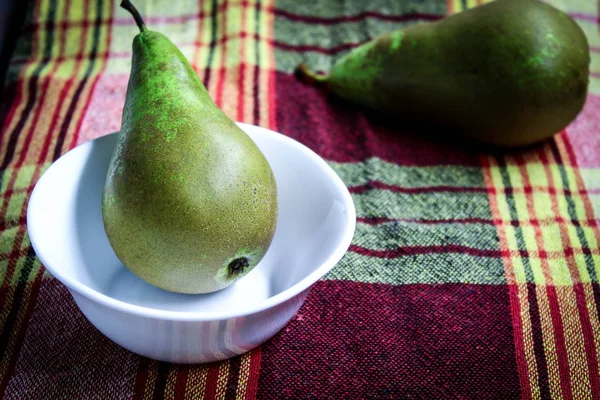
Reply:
x=507, y=73
x=187, y=191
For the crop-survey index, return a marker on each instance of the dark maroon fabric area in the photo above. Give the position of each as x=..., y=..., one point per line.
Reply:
x=64, y=356
x=340, y=132
x=355, y=340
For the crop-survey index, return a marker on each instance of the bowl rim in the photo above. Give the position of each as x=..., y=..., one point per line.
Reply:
x=148, y=312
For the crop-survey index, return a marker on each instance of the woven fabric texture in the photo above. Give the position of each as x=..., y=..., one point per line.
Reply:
x=471, y=275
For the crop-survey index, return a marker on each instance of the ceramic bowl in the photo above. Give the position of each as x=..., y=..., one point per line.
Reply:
x=314, y=229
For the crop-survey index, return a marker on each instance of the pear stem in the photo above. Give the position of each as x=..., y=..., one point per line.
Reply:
x=126, y=4
x=304, y=73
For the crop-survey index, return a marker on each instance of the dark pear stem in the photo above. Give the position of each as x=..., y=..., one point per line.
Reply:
x=310, y=77
x=126, y=4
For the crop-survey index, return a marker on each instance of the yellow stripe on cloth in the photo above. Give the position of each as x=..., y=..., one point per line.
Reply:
x=545, y=254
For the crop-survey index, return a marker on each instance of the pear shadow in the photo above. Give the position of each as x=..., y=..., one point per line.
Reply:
x=287, y=271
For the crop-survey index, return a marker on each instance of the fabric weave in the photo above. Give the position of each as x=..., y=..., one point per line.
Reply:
x=471, y=275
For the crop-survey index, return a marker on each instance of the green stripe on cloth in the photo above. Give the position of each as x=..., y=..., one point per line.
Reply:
x=392, y=235
x=423, y=268
x=327, y=26
x=360, y=173
x=301, y=48
x=424, y=206
x=333, y=9
x=6, y=244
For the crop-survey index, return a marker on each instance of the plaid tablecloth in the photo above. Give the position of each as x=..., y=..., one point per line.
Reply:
x=471, y=275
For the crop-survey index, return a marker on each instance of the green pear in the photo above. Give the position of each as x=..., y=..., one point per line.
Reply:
x=190, y=202
x=507, y=73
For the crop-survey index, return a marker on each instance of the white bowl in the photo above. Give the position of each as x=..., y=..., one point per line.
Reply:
x=314, y=229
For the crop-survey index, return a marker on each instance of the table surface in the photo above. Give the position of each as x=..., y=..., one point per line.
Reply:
x=471, y=274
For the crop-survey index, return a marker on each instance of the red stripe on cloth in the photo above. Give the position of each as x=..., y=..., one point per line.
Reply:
x=211, y=382
x=584, y=316
x=36, y=119
x=6, y=199
x=196, y=54
x=222, y=68
x=21, y=80
x=354, y=340
x=12, y=112
x=61, y=100
x=255, y=94
x=94, y=83
x=588, y=339
x=589, y=211
x=57, y=107
x=271, y=75
x=572, y=158
x=559, y=335
x=67, y=87
x=559, y=341
x=272, y=96
x=242, y=68
x=519, y=343
x=48, y=137
x=181, y=382
x=32, y=129
x=256, y=71
x=416, y=250
x=241, y=80
x=519, y=334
